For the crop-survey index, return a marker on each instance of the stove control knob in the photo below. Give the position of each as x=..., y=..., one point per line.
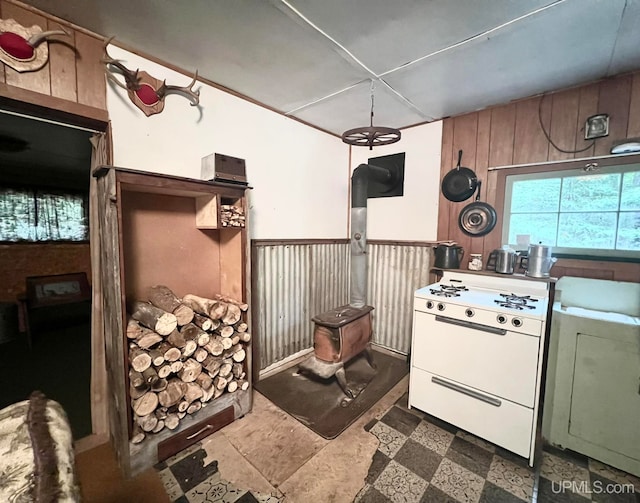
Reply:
x=501, y=318
x=517, y=322
x=440, y=306
x=429, y=304
x=469, y=313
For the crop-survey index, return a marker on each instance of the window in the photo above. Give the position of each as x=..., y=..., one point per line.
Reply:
x=575, y=211
x=35, y=215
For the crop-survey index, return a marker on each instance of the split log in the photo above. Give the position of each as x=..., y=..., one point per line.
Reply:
x=134, y=330
x=172, y=394
x=139, y=359
x=157, y=357
x=228, y=353
x=207, y=394
x=225, y=331
x=241, y=327
x=148, y=338
x=184, y=340
x=135, y=379
x=195, y=333
x=172, y=421
x=242, y=305
x=193, y=392
x=171, y=353
x=235, y=339
x=237, y=370
x=137, y=435
x=150, y=375
x=159, y=385
x=232, y=315
x=135, y=393
x=176, y=366
x=232, y=386
x=146, y=404
x=147, y=423
x=161, y=413
x=162, y=297
x=158, y=427
x=183, y=406
x=245, y=336
x=164, y=371
x=225, y=370
x=214, y=346
x=215, y=324
x=154, y=318
x=212, y=364
x=239, y=356
x=243, y=384
x=189, y=349
x=200, y=305
x=227, y=342
x=181, y=415
x=218, y=392
x=220, y=383
x=200, y=355
x=190, y=370
x=204, y=322
x=204, y=381
x=218, y=310
x=194, y=407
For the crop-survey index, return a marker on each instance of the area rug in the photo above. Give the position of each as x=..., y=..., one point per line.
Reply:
x=321, y=405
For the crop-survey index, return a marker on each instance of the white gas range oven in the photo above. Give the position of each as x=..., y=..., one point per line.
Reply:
x=476, y=355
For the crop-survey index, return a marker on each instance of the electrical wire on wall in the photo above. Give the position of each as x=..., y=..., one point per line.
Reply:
x=548, y=137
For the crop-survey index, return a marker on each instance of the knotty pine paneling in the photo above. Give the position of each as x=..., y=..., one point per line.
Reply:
x=510, y=134
x=74, y=72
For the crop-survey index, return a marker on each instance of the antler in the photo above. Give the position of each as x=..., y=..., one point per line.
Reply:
x=186, y=91
x=39, y=37
x=132, y=82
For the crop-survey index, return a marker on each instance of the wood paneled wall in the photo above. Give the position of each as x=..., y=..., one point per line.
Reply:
x=511, y=134
x=73, y=79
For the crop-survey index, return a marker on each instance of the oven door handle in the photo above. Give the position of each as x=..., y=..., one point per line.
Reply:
x=469, y=324
x=465, y=391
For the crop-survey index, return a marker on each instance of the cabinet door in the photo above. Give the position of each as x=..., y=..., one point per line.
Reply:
x=605, y=403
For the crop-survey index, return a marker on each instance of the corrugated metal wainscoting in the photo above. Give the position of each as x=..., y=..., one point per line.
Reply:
x=295, y=280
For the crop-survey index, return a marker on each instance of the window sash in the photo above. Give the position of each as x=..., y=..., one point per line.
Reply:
x=556, y=209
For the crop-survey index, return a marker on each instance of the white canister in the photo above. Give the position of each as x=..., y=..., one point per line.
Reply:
x=475, y=262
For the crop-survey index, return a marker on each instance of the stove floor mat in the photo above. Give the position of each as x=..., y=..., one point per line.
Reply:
x=321, y=405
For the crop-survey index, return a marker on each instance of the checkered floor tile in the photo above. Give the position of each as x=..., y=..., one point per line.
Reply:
x=422, y=459
x=187, y=479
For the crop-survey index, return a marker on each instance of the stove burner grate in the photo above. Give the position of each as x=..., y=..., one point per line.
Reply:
x=513, y=301
x=448, y=290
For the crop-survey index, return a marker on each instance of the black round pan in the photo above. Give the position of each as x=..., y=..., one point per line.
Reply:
x=460, y=183
x=477, y=218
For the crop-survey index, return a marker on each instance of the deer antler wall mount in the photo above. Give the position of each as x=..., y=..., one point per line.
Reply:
x=146, y=92
x=22, y=48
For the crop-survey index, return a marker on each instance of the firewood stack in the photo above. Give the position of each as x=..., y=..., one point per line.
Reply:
x=182, y=354
x=231, y=216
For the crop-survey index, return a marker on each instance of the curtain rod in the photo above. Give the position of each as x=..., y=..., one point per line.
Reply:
x=49, y=121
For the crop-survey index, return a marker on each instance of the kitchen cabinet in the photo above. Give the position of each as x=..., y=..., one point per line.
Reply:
x=592, y=399
x=164, y=230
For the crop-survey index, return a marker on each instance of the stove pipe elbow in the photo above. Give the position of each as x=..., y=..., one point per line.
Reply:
x=359, y=188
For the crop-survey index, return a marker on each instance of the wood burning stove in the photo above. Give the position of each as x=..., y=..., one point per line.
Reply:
x=340, y=335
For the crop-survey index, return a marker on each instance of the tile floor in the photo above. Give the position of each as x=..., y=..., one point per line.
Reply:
x=390, y=454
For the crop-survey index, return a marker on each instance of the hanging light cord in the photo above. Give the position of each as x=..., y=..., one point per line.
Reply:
x=548, y=137
x=371, y=122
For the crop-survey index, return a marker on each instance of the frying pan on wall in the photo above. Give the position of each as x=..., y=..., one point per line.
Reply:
x=460, y=183
x=477, y=218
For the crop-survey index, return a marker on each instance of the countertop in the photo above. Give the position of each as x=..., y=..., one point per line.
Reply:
x=550, y=279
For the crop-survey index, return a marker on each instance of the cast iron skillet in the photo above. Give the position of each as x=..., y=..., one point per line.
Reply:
x=459, y=184
x=477, y=218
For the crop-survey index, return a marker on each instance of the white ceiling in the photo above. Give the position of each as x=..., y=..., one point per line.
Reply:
x=428, y=59
x=316, y=60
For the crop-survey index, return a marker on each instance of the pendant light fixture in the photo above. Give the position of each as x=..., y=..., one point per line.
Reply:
x=371, y=136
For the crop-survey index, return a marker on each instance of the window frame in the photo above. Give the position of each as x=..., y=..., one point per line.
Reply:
x=553, y=168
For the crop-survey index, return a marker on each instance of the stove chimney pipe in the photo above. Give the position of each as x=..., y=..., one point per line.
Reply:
x=359, y=188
